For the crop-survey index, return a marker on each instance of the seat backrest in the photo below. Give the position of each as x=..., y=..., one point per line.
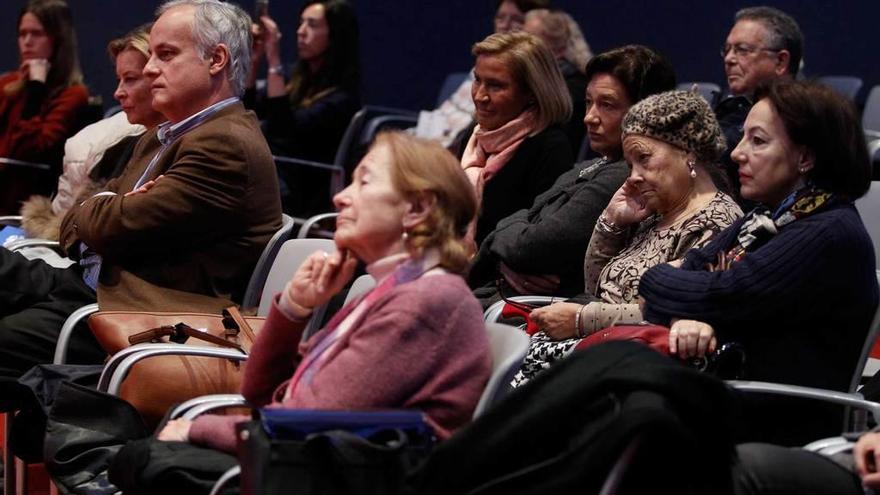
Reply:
x=871, y=113
x=450, y=84
x=264, y=263
x=846, y=86
x=709, y=91
x=310, y=227
x=508, y=346
x=291, y=255
x=869, y=209
x=360, y=285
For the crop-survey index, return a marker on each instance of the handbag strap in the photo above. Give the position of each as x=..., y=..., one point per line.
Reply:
x=179, y=333
x=235, y=317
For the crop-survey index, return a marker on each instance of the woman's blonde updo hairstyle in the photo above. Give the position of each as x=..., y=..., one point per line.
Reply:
x=419, y=167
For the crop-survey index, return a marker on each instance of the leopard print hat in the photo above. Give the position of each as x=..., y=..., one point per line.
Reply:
x=680, y=118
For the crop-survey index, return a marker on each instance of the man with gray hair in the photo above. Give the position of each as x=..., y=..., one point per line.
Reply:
x=181, y=229
x=764, y=44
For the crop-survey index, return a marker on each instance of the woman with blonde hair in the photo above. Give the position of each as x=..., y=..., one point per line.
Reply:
x=517, y=148
x=40, y=102
x=416, y=341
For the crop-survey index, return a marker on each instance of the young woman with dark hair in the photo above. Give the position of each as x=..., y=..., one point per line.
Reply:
x=40, y=102
x=307, y=116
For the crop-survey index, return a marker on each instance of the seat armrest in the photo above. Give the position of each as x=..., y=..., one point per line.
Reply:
x=855, y=401
x=11, y=220
x=198, y=405
x=67, y=331
x=32, y=243
x=120, y=364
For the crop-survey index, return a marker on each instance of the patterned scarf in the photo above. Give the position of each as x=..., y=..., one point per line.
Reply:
x=760, y=226
x=407, y=271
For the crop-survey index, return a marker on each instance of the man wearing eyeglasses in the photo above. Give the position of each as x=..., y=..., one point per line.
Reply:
x=764, y=44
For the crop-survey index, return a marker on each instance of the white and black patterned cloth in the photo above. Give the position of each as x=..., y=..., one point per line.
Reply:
x=543, y=352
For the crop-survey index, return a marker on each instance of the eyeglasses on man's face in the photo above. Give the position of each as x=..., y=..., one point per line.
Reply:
x=742, y=50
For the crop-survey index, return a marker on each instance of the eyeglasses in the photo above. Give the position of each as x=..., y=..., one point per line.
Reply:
x=742, y=50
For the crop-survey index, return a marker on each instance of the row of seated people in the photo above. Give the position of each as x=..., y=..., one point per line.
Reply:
x=671, y=142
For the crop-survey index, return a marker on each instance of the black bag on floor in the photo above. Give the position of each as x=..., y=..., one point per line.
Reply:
x=617, y=415
x=331, y=452
x=84, y=431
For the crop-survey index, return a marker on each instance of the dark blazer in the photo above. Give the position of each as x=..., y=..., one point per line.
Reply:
x=190, y=242
x=537, y=163
x=551, y=237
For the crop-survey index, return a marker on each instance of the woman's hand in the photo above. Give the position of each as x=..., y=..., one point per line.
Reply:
x=691, y=338
x=626, y=206
x=270, y=36
x=320, y=277
x=529, y=284
x=176, y=430
x=867, y=457
x=258, y=48
x=35, y=69
x=556, y=320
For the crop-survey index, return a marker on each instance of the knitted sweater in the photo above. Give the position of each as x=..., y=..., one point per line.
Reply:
x=420, y=346
x=801, y=304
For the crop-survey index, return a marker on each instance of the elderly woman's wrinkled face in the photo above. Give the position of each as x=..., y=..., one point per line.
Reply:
x=498, y=97
x=371, y=210
x=659, y=171
x=509, y=18
x=607, y=103
x=769, y=163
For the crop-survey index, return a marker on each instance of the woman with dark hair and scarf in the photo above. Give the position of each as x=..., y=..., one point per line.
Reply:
x=794, y=281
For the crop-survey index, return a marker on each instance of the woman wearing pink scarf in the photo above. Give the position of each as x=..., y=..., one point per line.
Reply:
x=517, y=149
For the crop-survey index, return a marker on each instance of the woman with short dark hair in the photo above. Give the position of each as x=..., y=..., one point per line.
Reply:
x=540, y=250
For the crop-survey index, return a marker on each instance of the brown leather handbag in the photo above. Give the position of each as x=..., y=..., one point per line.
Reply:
x=157, y=383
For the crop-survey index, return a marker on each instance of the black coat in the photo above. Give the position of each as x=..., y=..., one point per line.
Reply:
x=534, y=167
x=551, y=237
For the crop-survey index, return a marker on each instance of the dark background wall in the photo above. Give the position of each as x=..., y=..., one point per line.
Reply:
x=408, y=46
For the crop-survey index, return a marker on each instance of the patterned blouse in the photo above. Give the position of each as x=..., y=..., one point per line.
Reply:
x=615, y=262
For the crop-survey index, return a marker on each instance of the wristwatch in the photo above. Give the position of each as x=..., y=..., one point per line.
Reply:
x=277, y=69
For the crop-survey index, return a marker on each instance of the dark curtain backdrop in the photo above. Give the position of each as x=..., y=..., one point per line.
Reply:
x=408, y=46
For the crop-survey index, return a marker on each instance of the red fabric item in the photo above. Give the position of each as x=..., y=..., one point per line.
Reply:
x=512, y=311
x=39, y=138
x=29, y=139
x=654, y=336
x=875, y=351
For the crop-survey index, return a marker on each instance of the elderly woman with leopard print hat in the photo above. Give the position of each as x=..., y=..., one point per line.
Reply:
x=670, y=203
